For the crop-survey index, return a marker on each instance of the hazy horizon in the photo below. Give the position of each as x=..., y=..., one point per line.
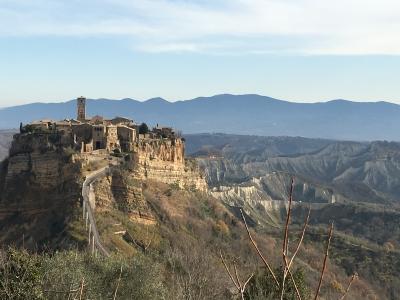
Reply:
x=189, y=99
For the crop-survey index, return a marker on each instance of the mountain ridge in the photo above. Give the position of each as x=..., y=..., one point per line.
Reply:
x=235, y=114
x=209, y=97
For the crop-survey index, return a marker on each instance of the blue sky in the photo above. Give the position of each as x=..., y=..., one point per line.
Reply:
x=298, y=50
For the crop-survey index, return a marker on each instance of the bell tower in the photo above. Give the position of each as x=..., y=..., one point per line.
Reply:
x=81, y=109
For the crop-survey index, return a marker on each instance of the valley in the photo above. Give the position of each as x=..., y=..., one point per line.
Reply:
x=353, y=184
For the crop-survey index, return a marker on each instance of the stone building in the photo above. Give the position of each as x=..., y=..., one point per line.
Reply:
x=97, y=133
x=81, y=109
x=127, y=137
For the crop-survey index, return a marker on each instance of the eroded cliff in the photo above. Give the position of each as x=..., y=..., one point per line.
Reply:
x=40, y=185
x=40, y=188
x=163, y=160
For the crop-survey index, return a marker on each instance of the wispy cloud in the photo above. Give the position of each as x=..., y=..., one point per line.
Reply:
x=219, y=26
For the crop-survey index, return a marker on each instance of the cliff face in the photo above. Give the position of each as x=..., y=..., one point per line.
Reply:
x=39, y=161
x=38, y=191
x=163, y=160
x=123, y=192
x=172, y=151
x=40, y=185
x=44, y=169
x=159, y=160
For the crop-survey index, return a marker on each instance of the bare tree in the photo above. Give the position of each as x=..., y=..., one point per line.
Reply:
x=287, y=261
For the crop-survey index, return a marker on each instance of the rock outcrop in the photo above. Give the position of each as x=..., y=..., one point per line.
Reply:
x=120, y=191
x=163, y=160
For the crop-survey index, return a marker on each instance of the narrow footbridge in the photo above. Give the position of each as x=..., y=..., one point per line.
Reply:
x=94, y=241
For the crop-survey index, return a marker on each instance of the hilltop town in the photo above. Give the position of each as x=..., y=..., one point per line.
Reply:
x=55, y=167
x=157, y=153
x=97, y=133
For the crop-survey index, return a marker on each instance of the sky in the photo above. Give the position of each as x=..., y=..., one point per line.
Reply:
x=296, y=50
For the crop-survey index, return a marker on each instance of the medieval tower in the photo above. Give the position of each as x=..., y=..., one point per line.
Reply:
x=81, y=109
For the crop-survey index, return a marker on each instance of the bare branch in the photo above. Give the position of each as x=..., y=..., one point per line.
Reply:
x=119, y=280
x=286, y=264
x=295, y=285
x=150, y=240
x=286, y=233
x=354, y=277
x=258, y=250
x=247, y=281
x=229, y=272
x=301, y=238
x=325, y=260
x=81, y=289
x=285, y=244
x=237, y=283
x=237, y=275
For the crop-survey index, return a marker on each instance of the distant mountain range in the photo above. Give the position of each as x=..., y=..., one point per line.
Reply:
x=239, y=114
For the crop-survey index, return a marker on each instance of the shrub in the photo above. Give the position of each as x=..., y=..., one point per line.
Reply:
x=143, y=128
x=139, y=278
x=262, y=286
x=69, y=274
x=21, y=275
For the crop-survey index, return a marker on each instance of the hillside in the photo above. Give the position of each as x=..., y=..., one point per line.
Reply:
x=355, y=171
x=169, y=234
x=353, y=184
x=155, y=216
x=239, y=114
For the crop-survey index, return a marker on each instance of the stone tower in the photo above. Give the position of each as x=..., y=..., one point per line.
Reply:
x=81, y=109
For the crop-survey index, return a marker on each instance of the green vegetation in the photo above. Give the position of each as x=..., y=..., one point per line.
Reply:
x=76, y=275
x=374, y=223
x=366, y=241
x=143, y=128
x=21, y=275
x=262, y=287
